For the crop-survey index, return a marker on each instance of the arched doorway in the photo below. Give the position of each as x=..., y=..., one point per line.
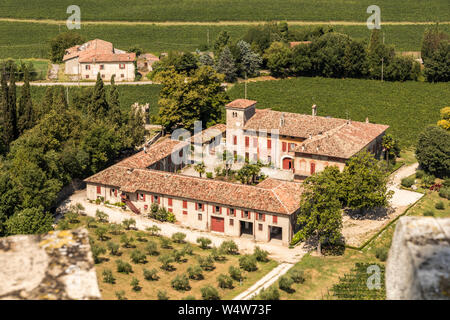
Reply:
x=288, y=163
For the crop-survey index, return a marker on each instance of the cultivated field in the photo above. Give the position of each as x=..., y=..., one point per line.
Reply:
x=207, y=10
x=30, y=40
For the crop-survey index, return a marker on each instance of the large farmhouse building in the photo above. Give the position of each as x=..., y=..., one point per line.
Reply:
x=267, y=211
x=99, y=57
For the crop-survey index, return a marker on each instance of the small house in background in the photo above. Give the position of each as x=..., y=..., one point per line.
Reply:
x=145, y=62
x=98, y=56
x=293, y=44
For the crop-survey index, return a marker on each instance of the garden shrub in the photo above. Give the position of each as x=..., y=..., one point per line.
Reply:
x=166, y=260
x=428, y=180
x=381, y=253
x=178, y=237
x=297, y=275
x=151, y=275
x=129, y=223
x=248, y=263
x=154, y=230
x=235, y=273
x=152, y=248
x=285, y=283
x=439, y=205
x=135, y=284
x=165, y=243
x=120, y=295
x=188, y=249
x=407, y=182
x=428, y=213
x=210, y=293
x=181, y=283
x=419, y=174
x=270, y=293
x=445, y=192
x=101, y=216
x=229, y=247
x=195, y=272
x=108, y=276
x=204, y=242
x=178, y=255
x=126, y=241
x=209, y=175
x=217, y=255
x=206, y=263
x=113, y=248
x=141, y=235
x=189, y=297
x=96, y=252
x=123, y=267
x=162, y=295
x=225, y=281
x=260, y=255
x=137, y=256
x=101, y=232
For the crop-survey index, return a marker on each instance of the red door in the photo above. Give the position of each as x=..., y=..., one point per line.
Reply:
x=287, y=163
x=313, y=168
x=217, y=224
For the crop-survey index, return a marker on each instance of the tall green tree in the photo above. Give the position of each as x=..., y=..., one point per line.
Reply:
x=250, y=61
x=10, y=132
x=433, y=151
x=279, y=59
x=437, y=67
x=29, y=221
x=223, y=40
x=432, y=38
x=379, y=54
x=98, y=108
x=115, y=113
x=227, y=65
x=61, y=42
x=25, y=110
x=320, y=214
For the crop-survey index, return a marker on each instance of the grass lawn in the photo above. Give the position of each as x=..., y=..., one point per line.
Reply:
x=149, y=289
x=407, y=107
x=26, y=40
x=321, y=273
x=207, y=10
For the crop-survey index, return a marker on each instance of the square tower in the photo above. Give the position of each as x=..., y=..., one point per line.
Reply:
x=238, y=112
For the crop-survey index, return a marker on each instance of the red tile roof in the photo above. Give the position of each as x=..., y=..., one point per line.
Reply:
x=97, y=51
x=109, y=57
x=210, y=133
x=241, y=104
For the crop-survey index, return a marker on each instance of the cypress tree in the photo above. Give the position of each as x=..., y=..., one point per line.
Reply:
x=9, y=106
x=115, y=113
x=59, y=101
x=25, y=109
x=99, y=106
x=226, y=65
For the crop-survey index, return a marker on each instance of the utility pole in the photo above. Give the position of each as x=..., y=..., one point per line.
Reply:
x=245, y=86
x=382, y=63
x=207, y=37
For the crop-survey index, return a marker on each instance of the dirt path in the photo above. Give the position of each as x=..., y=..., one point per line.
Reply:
x=220, y=23
x=276, y=250
x=265, y=281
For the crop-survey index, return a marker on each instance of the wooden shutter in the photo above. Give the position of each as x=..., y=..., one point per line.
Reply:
x=228, y=211
x=99, y=189
x=153, y=199
x=264, y=217
x=235, y=140
x=247, y=141
x=143, y=196
x=275, y=219
x=184, y=204
x=284, y=146
x=115, y=192
x=196, y=206
x=269, y=144
x=170, y=201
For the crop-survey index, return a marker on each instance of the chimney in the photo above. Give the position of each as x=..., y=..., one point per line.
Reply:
x=314, y=110
x=367, y=119
x=282, y=120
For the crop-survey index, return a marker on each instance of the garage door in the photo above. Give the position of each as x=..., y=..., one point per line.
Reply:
x=217, y=224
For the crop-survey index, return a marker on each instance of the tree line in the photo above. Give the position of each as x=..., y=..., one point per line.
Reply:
x=46, y=144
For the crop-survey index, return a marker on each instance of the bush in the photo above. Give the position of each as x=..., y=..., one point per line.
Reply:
x=96, y=252
x=408, y=182
x=428, y=180
x=108, y=276
x=225, y=281
x=151, y=275
x=260, y=255
x=165, y=243
x=433, y=151
x=101, y=216
x=113, y=248
x=229, y=247
x=181, y=283
x=178, y=255
x=129, y=223
x=72, y=217
x=135, y=284
x=166, y=261
x=445, y=192
x=178, y=237
x=285, y=283
x=209, y=175
x=195, y=272
x=90, y=221
x=120, y=295
x=235, y=273
x=137, y=256
x=206, y=263
x=154, y=230
x=141, y=235
x=115, y=229
x=270, y=293
x=381, y=253
x=210, y=293
x=189, y=297
x=439, y=205
x=204, y=242
x=248, y=263
x=419, y=174
x=162, y=295
x=297, y=275
x=217, y=254
x=428, y=213
x=123, y=267
x=127, y=242
x=152, y=248
x=101, y=232
x=188, y=249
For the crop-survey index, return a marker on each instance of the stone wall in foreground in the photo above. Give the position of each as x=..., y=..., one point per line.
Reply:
x=57, y=265
x=418, y=267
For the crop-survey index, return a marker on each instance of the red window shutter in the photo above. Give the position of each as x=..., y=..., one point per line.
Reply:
x=235, y=140
x=170, y=201
x=170, y=210
x=159, y=200
x=220, y=210
x=184, y=204
x=269, y=144
x=275, y=219
x=249, y=215
x=203, y=207
x=228, y=211
x=284, y=146
x=99, y=189
x=115, y=192
x=196, y=206
x=242, y=213
x=185, y=212
x=144, y=197
x=313, y=168
x=153, y=199
x=264, y=217
x=247, y=141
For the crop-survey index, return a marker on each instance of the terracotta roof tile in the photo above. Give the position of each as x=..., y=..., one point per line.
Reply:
x=241, y=104
x=210, y=133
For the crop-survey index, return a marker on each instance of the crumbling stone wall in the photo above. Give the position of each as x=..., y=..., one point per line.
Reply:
x=57, y=265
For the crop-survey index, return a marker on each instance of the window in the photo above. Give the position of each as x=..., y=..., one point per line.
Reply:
x=231, y=212
x=200, y=217
x=284, y=145
x=246, y=214
x=184, y=204
x=141, y=196
x=181, y=153
x=103, y=76
x=169, y=202
x=217, y=209
x=260, y=226
x=102, y=67
x=99, y=189
x=185, y=212
x=88, y=67
x=275, y=219
x=122, y=75
x=199, y=206
x=234, y=114
x=255, y=142
x=269, y=144
x=121, y=65
x=292, y=146
x=155, y=199
x=261, y=217
x=247, y=141
x=87, y=76
x=231, y=222
x=313, y=168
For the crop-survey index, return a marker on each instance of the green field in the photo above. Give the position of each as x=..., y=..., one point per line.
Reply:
x=214, y=10
x=407, y=107
x=30, y=40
